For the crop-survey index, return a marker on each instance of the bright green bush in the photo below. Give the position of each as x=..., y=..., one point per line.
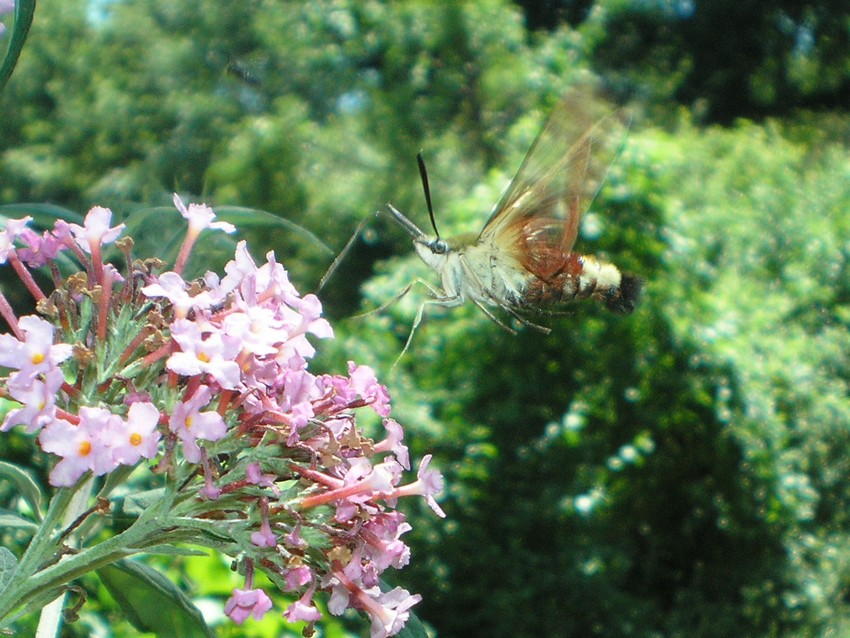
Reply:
x=677, y=472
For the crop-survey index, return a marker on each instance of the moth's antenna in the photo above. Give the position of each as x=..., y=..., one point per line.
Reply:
x=423, y=173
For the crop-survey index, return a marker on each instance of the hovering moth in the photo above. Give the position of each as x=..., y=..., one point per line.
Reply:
x=523, y=261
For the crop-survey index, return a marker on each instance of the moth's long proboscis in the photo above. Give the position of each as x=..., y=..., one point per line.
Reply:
x=412, y=229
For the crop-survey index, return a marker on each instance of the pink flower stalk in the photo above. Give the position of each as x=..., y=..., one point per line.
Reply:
x=8, y=314
x=377, y=483
x=210, y=381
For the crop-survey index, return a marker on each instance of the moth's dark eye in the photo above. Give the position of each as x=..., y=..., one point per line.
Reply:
x=438, y=246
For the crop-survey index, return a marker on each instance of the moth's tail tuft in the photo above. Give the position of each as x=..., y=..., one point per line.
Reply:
x=623, y=300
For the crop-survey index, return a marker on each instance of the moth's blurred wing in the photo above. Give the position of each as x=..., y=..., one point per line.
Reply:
x=538, y=217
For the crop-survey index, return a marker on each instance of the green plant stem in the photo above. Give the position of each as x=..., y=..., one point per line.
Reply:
x=51, y=615
x=32, y=582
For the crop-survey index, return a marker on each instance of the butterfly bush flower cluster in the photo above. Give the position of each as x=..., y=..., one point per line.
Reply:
x=206, y=383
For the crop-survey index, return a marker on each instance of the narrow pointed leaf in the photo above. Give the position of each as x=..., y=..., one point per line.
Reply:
x=24, y=10
x=151, y=602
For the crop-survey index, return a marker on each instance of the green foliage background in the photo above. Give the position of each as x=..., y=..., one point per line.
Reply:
x=679, y=472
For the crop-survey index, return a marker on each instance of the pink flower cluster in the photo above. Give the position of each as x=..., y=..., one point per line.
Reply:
x=212, y=382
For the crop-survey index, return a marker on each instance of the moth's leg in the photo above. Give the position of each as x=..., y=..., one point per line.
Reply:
x=494, y=318
x=435, y=292
x=342, y=254
x=513, y=313
x=536, y=326
x=441, y=299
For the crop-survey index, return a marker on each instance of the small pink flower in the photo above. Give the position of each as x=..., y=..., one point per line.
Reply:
x=80, y=446
x=210, y=490
x=39, y=249
x=294, y=539
x=364, y=382
x=172, y=286
x=391, y=613
x=38, y=398
x=247, y=602
x=14, y=228
x=271, y=279
x=211, y=353
x=255, y=476
x=200, y=217
x=138, y=437
x=36, y=354
x=95, y=230
x=190, y=424
x=393, y=443
x=297, y=577
x=384, y=546
x=303, y=609
x=257, y=329
x=265, y=537
x=311, y=310
x=239, y=269
x=428, y=483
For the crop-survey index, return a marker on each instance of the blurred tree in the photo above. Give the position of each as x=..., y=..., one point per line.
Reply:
x=733, y=59
x=724, y=58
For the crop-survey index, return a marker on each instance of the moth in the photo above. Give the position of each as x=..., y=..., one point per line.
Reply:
x=523, y=261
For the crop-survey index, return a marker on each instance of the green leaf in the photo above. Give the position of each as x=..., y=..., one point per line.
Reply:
x=145, y=226
x=24, y=10
x=134, y=505
x=11, y=519
x=43, y=215
x=244, y=218
x=151, y=602
x=25, y=485
x=8, y=566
